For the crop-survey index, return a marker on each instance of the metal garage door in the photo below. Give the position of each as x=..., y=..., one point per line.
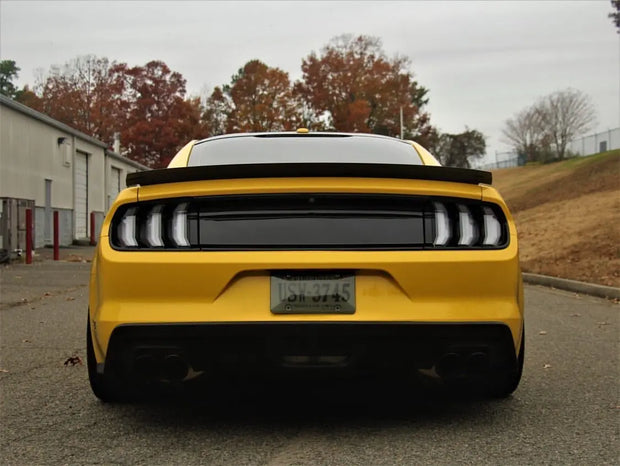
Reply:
x=80, y=195
x=114, y=186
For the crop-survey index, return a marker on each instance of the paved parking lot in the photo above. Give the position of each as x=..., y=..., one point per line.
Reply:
x=566, y=410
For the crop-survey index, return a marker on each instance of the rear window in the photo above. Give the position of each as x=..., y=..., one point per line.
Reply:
x=304, y=148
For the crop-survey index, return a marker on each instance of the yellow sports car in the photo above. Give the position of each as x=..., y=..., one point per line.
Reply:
x=323, y=254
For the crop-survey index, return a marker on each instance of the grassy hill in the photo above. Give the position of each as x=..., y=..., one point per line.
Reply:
x=568, y=216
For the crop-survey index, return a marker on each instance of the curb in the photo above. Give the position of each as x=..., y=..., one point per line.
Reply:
x=601, y=291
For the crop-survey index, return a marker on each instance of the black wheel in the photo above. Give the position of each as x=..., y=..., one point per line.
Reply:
x=503, y=386
x=106, y=388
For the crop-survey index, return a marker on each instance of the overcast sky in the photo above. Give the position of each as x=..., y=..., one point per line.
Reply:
x=481, y=61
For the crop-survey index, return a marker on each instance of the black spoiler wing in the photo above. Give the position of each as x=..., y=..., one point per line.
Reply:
x=289, y=170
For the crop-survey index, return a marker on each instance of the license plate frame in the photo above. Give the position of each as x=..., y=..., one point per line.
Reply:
x=310, y=292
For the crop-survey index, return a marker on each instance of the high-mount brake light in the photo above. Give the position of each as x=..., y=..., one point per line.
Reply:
x=467, y=227
x=127, y=229
x=154, y=227
x=179, y=225
x=442, y=225
x=492, y=228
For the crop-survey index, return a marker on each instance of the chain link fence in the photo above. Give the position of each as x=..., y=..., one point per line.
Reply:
x=587, y=145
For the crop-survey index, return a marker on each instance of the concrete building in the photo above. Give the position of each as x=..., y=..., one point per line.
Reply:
x=46, y=165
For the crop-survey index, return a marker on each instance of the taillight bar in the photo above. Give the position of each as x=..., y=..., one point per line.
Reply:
x=261, y=222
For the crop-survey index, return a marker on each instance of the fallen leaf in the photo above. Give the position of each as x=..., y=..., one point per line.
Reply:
x=4, y=371
x=70, y=298
x=25, y=341
x=546, y=366
x=600, y=324
x=576, y=314
x=73, y=361
x=542, y=332
x=47, y=293
x=25, y=300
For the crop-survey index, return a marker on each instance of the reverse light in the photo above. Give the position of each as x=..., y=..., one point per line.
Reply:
x=127, y=229
x=492, y=227
x=442, y=225
x=179, y=225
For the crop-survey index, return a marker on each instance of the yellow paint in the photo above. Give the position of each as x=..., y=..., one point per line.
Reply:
x=181, y=158
x=233, y=286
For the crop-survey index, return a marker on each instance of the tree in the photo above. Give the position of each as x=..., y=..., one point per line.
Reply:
x=360, y=89
x=456, y=150
x=216, y=112
x=27, y=97
x=160, y=121
x=8, y=72
x=146, y=104
x=615, y=15
x=565, y=115
x=261, y=99
x=525, y=132
x=543, y=131
x=88, y=93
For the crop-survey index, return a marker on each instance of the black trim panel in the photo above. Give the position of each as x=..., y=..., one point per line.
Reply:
x=263, y=347
x=277, y=170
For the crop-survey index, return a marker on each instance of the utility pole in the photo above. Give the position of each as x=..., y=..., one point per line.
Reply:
x=401, y=123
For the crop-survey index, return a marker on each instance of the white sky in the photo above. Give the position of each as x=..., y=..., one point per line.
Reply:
x=481, y=61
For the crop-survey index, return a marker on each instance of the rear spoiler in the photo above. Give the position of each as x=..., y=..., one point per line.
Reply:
x=290, y=170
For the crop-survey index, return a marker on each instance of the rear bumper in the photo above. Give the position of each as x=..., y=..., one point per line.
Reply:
x=267, y=349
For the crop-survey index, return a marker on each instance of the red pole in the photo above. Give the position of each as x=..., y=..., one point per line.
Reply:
x=28, y=236
x=56, y=237
x=93, y=240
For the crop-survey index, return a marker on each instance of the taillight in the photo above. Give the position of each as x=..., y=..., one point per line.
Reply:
x=492, y=228
x=162, y=225
x=471, y=224
x=126, y=230
x=154, y=228
x=179, y=225
x=310, y=221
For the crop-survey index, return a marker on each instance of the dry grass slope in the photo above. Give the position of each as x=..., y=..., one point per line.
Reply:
x=568, y=216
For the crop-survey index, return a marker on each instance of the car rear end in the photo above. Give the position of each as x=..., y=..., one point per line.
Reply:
x=314, y=269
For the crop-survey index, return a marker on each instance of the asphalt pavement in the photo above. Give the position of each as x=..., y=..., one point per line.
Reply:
x=566, y=410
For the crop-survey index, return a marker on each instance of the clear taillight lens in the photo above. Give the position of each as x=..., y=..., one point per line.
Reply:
x=127, y=229
x=179, y=225
x=154, y=227
x=442, y=225
x=467, y=227
x=492, y=228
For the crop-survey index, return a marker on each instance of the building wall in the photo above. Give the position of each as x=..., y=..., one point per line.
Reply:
x=30, y=154
x=35, y=148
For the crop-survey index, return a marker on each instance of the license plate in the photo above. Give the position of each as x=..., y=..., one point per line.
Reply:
x=296, y=293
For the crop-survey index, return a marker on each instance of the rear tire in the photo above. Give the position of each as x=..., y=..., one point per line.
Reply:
x=504, y=386
x=105, y=387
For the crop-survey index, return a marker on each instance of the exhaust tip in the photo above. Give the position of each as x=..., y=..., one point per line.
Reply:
x=175, y=367
x=145, y=367
x=478, y=362
x=449, y=365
